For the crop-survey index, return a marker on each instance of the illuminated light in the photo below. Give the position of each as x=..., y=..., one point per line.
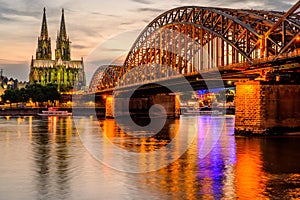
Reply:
x=109, y=99
x=298, y=38
x=229, y=82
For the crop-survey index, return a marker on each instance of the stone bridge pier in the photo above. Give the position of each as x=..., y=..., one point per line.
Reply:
x=139, y=106
x=267, y=108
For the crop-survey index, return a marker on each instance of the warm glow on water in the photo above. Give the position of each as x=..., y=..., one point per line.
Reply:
x=249, y=176
x=46, y=158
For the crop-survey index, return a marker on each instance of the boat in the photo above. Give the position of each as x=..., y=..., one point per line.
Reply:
x=54, y=112
x=210, y=112
x=202, y=111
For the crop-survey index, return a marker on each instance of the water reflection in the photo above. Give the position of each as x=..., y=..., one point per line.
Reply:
x=120, y=146
x=51, y=138
x=192, y=176
x=250, y=179
x=41, y=152
x=43, y=158
x=281, y=160
x=141, y=141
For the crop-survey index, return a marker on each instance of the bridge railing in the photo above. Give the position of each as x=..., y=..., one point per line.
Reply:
x=236, y=66
x=269, y=59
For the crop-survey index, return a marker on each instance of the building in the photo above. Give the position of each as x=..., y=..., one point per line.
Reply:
x=63, y=71
x=7, y=83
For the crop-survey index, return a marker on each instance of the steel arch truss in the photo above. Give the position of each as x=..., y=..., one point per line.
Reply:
x=105, y=77
x=243, y=30
x=197, y=39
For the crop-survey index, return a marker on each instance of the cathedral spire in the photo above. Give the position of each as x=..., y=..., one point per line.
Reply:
x=44, y=42
x=62, y=50
x=63, y=32
x=44, y=30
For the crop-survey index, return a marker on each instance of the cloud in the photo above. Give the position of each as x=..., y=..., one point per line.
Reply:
x=76, y=46
x=142, y=1
x=150, y=10
x=115, y=49
x=127, y=23
x=246, y=4
x=4, y=18
x=20, y=10
x=104, y=15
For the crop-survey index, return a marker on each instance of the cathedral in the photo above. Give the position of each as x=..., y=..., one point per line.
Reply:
x=63, y=71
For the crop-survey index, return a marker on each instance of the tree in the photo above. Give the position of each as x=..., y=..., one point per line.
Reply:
x=35, y=93
x=11, y=96
x=38, y=94
x=51, y=93
x=24, y=97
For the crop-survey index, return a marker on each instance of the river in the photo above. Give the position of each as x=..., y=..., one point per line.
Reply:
x=194, y=157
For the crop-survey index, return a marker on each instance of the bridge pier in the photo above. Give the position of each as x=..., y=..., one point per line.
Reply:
x=266, y=108
x=169, y=102
x=109, y=107
x=139, y=106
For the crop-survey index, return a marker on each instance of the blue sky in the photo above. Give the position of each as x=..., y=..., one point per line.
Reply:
x=101, y=31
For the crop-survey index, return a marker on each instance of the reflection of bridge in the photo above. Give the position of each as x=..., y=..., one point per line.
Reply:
x=199, y=41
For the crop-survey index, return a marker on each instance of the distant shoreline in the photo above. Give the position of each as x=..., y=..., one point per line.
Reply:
x=80, y=111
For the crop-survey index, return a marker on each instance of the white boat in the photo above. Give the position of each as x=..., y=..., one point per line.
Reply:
x=210, y=112
x=202, y=112
x=55, y=112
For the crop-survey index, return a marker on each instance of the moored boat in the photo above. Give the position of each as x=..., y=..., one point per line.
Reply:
x=55, y=112
x=205, y=111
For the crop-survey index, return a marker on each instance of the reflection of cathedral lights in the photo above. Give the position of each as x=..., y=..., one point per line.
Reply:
x=30, y=127
x=20, y=120
x=69, y=126
x=63, y=125
x=52, y=123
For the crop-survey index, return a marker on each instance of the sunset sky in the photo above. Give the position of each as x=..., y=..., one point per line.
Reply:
x=100, y=31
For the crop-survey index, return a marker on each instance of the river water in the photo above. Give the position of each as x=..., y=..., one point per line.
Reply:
x=86, y=158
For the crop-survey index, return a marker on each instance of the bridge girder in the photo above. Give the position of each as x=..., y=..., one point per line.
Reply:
x=105, y=77
x=179, y=38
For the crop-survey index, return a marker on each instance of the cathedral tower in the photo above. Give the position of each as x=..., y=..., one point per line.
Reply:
x=62, y=50
x=43, y=51
x=63, y=71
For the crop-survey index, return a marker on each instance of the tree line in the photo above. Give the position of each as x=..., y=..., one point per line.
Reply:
x=35, y=92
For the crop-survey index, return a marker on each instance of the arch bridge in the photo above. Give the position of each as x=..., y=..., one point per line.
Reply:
x=191, y=40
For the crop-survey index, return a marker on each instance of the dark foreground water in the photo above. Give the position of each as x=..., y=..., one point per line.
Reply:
x=57, y=158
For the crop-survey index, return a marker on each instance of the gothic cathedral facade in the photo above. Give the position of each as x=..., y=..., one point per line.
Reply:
x=63, y=71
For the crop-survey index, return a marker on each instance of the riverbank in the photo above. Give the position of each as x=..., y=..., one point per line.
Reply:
x=80, y=111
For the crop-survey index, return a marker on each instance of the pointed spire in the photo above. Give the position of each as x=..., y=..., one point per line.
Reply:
x=44, y=30
x=63, y=32
x=62, y=50
x=44, y=42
